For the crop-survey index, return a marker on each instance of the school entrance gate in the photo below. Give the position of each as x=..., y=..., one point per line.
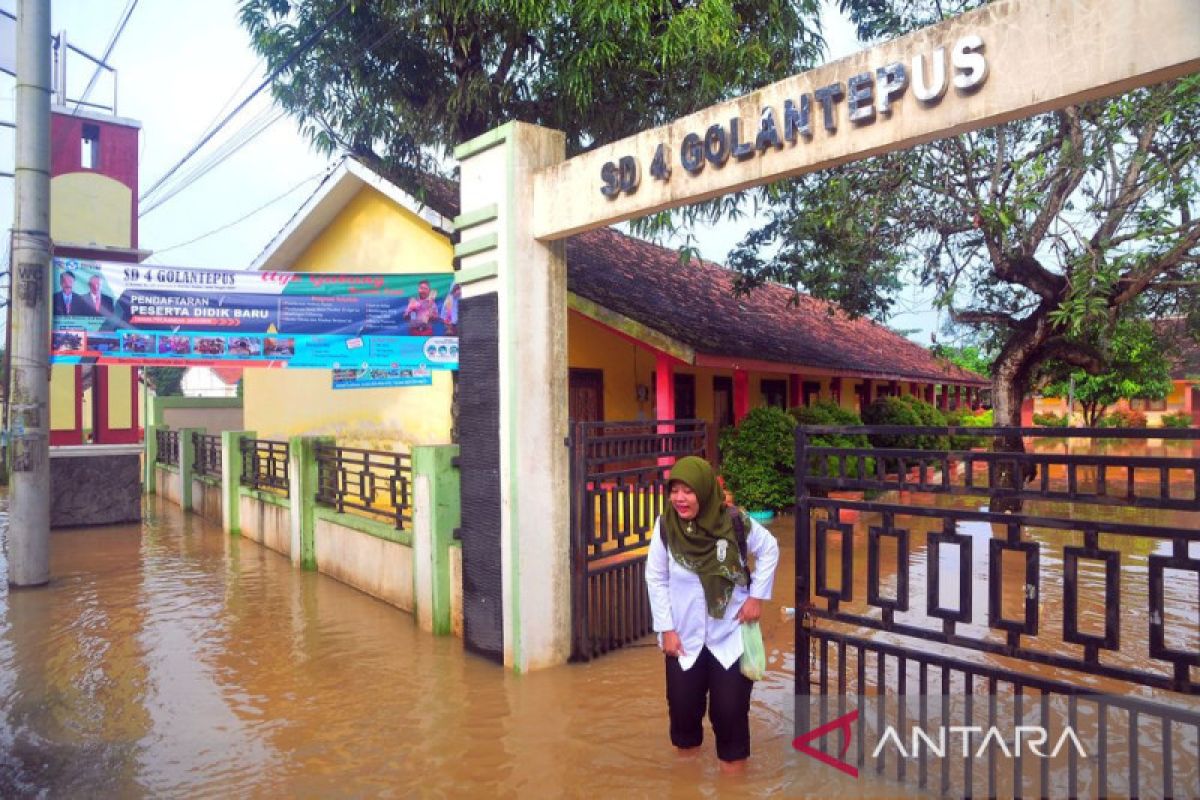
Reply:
x=618, y=489
x=1064, y=612
x=520, y=198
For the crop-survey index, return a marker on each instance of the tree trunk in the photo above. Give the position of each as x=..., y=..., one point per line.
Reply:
x=1010, y=382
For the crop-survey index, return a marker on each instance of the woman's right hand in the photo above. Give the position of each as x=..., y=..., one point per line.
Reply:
x=671, y=644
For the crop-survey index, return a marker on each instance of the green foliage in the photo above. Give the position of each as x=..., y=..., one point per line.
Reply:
x=1123, y=417
x=827, y=412
x=758, y=460
x=399, y=84
x=1035, y=233
x=969, y=357
x=964, y=418
x=906, y=410
x=1180, y=419
x=167, y=381
x=1137, y=369
x=1052, y=420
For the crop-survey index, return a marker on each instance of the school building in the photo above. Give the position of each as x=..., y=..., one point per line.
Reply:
x=649, y=337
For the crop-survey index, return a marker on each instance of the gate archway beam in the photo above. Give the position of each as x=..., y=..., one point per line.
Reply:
x=1014, y=58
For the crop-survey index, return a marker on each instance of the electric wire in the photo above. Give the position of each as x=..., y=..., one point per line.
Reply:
x=112, y=43
x=247, y=215
x=250, y=130
x=246, y=134
x=287, y=62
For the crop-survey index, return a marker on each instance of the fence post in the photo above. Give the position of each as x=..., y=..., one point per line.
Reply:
x=436, y=513
x=149, y=457
x=803, y=589
x=302, y=496
x=187, y=455
x=231, y=479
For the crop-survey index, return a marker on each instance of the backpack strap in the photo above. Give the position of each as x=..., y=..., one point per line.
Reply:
x=739, y=530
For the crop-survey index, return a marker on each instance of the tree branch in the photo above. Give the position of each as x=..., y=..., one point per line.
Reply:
x=1026, y=271
x=970, y=317
x=1075, y=354
x=1068, y=175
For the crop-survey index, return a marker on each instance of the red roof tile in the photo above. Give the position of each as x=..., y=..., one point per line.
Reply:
x=694, y=303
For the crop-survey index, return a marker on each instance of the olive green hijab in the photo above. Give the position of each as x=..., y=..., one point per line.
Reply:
x=706, y=545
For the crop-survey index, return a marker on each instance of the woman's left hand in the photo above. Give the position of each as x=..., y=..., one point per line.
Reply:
x=750, y=611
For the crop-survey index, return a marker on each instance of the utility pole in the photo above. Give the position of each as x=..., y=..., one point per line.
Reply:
x=29, y=408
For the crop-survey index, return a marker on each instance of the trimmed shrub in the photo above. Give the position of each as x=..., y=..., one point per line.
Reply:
x=1123, y=417
x=1051, y=420
x=965, y=419
x=1180, y=419
x=758, y=460
x=905, y=411
x=829, y=413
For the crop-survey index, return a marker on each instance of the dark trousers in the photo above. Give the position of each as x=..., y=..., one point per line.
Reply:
x=725, y=693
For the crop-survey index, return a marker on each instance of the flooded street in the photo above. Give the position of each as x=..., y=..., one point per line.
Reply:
x=169, y=659
x=172, y=660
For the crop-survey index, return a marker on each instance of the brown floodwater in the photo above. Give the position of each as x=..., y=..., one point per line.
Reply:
x=167, y=659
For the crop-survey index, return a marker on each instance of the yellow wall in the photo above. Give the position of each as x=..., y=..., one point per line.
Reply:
x=62, y=397
x=89, y=208
x=1175, y=403
x=372, y=234
x=120, y=397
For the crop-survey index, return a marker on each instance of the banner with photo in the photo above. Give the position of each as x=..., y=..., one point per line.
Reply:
x=112, y=313
x=380, y=377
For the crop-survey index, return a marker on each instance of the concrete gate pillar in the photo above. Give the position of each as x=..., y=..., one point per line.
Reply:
x=512, y=406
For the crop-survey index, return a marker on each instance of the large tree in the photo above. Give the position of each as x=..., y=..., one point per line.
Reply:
x=398, y=84
x=1137, y=368
x=1040, y=233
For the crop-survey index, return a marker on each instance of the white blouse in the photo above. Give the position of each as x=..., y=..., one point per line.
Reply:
x=677, y=598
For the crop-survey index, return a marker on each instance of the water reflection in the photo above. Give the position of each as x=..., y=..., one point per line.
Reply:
x=171, y=660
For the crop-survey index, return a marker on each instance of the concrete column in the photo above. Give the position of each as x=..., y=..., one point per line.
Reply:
x=436, y=513
x=149, y=456
x=741, y=395
x=187, y=455
x=513, y=420
x=302, y=497
x=231, y=479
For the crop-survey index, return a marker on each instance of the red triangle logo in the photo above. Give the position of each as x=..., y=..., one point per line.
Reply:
x=842, y=723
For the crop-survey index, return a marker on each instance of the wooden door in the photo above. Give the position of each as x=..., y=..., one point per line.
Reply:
x=585, y=395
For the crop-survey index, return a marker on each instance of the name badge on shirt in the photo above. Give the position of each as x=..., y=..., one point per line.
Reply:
x=722, y=546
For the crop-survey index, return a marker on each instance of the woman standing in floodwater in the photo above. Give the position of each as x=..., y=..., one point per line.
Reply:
x=701, y=592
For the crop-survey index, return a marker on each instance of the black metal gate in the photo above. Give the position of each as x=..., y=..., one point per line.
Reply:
x=618, y=488
x=1075, y=571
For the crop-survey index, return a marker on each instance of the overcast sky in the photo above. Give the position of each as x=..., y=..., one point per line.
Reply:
x=181, y=64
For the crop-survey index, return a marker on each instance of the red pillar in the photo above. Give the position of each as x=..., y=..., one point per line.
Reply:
x=894, y=388
x=958, y=397
x=664, y=397
x=944, y=398
x=664, y=379
x=1027, y=412
x=794, y=384
x=835, y=389
x=929, y=393
x=741, y=395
